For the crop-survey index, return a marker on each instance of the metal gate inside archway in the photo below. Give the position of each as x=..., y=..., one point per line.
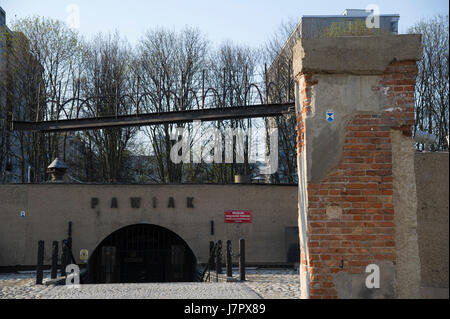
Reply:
x=142, y=253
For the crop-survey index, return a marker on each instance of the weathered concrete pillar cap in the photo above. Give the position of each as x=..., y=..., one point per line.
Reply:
x=363, y=55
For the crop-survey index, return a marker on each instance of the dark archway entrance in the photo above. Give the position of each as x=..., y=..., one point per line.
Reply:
x=142, y=253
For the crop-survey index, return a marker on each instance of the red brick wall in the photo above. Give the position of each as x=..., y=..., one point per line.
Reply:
x=361, y=185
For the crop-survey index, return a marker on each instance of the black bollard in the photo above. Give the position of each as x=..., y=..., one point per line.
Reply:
x=54, y=260
x=229, y=260
x=69, y=256
x=69, y=246
x=40, y=263
x=63, y=258
x=219, y=257
x=242, y=259
x=211, y=255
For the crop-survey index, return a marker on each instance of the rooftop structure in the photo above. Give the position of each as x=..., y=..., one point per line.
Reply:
x=314, y=26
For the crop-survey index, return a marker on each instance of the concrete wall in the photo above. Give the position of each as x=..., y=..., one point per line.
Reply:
x=405, y=218
x=432, y=178
x=49, y=208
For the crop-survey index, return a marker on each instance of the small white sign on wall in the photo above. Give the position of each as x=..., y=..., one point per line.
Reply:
x=84, y=255
x=22, y=214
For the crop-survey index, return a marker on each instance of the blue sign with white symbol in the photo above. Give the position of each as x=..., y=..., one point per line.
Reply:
x=22, y=214
x=330, y=116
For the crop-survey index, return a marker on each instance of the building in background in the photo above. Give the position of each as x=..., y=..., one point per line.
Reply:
x=10, y=167
x=5, y=163
x=2, y=17
x=16, y=80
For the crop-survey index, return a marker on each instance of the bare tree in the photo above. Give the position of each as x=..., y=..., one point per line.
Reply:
x=168, y=67
x=232, y=69
x=106, y=76
x=39, y=66
x=278, y=53
x=432, y=83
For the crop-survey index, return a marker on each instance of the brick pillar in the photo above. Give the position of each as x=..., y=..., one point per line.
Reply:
x=347, y=209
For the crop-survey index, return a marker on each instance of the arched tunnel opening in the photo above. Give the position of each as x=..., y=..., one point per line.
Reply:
x=142, y=253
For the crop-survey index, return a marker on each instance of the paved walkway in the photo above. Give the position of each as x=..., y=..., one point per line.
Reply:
x=274, y=283
x=261, y=283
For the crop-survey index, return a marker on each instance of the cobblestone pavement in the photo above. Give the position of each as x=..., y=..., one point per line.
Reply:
x=274, y=283
x=261, y=283
x=20, y=286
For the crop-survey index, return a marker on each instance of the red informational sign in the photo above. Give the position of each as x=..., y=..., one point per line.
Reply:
x=238, y=216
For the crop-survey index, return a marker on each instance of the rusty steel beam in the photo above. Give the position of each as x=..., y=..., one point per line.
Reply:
x=225, y=113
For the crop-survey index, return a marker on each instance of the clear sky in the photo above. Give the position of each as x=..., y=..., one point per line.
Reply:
x=243, y=21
